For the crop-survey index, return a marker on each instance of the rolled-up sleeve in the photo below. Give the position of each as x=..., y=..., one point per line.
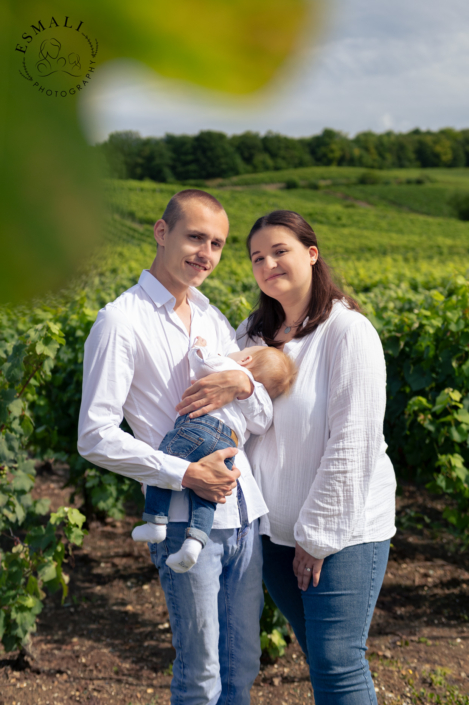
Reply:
x=357, y=400
x=108, y=370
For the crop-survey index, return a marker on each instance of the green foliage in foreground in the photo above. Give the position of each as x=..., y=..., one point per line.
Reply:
x=32, y=552
x=274, y=629
x=425, y=335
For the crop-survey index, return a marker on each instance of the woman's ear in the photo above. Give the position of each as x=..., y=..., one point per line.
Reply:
x=245, y=361
x=313, y=254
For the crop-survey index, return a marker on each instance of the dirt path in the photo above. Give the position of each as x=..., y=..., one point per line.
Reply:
x=111, y=641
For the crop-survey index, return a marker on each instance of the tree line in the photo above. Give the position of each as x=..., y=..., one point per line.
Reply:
x=211, y=154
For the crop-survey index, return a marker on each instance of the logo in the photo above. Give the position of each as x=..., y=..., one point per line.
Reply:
x=58, y=58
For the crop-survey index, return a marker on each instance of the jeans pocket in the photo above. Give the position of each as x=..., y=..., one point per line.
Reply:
x=183, y=443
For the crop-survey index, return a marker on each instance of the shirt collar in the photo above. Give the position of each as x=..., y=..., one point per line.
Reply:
x=161, y=296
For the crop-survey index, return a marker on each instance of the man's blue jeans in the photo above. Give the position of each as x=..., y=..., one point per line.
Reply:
x=214, y=610
x=191, y=439
x=331, y=621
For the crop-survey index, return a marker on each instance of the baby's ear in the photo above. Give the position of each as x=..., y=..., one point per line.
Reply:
x=245, y=361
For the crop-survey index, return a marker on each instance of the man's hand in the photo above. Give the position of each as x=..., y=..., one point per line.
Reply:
x=306, y=567
x=213, y=392
x=210, y=478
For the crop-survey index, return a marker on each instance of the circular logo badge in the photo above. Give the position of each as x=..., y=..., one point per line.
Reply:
x=58, y=58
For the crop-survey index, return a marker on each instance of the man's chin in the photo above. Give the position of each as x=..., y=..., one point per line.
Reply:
x=198, y=278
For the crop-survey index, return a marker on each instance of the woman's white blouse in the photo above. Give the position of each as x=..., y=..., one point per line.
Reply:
x=322, y=466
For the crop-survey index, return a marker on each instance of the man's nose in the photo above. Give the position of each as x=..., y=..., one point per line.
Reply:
x=204, y=250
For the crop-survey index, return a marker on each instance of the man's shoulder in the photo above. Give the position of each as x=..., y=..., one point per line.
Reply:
x=126, y=307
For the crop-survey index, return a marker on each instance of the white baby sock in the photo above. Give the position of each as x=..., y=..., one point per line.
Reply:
x=186, y=557
x=150, y=533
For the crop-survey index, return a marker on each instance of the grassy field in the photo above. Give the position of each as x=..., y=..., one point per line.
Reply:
x=369, y=233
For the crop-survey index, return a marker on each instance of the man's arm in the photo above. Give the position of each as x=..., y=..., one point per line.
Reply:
x=210, y=478
x=220, y=388
x=108, y=369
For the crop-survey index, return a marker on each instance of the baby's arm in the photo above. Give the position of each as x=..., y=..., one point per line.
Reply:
x=200, y=343
x=204, y=361
x=258, y=419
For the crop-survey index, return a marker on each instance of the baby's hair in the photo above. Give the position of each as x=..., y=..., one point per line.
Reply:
x=274, y=369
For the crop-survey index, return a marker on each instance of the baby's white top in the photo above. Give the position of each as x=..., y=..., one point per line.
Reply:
x=231, y=414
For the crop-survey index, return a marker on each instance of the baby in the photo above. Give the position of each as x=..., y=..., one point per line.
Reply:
x=193, y=439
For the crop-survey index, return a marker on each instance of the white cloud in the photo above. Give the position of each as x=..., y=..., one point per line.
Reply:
x=381, y=66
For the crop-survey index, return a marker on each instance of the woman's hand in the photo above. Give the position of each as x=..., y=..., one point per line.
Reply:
x=213, y=392
x=305, y=567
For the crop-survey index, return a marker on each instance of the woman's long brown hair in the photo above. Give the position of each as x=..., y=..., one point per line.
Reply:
x=269, y=315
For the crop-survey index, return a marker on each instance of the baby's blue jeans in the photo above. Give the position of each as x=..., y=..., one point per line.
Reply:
x=191, y=439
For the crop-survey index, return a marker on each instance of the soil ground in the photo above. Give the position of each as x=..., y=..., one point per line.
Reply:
x=110, y=642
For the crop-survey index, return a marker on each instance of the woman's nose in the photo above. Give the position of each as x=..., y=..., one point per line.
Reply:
x=270, y=262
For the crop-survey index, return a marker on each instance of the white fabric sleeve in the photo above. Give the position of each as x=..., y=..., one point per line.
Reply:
x=257, y=410
x=108, y=369
x=357, y=400
x=204, y=362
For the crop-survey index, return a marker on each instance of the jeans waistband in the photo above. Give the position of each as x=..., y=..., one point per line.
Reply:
x=212, y=422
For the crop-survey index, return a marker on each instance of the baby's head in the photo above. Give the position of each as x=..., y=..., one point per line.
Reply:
x=269, y=366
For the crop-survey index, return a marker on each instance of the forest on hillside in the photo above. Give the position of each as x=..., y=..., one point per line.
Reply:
x=211, y=154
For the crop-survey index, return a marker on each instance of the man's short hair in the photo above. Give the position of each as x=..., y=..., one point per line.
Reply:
x=175, y=208
x=274, y=369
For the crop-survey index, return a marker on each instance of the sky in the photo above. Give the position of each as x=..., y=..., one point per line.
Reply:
x=377, y=65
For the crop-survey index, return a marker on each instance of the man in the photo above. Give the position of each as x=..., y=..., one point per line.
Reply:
x=136, y=365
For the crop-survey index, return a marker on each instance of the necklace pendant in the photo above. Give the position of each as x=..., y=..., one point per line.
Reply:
x=287, y=329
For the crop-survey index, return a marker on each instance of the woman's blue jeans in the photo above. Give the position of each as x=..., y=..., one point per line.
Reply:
x=331, y=621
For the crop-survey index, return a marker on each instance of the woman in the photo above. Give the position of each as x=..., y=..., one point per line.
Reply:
x=322, y=466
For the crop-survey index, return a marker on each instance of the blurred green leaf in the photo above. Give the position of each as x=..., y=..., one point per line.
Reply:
x=50, y=187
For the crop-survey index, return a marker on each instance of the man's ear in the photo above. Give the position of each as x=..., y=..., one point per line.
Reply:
x=245, y=361
x=160, y=230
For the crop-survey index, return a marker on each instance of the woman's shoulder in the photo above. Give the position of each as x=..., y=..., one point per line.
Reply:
x=344, y=320
x=242, y=338
x=342, y=317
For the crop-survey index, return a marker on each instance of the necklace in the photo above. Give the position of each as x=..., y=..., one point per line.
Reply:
x=287, y=329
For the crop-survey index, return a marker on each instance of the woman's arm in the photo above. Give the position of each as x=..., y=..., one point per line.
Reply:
x=357, y=399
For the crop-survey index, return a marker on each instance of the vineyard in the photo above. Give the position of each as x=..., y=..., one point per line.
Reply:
x=395, y=242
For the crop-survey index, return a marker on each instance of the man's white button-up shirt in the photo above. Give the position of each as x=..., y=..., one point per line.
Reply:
x=136, y=365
